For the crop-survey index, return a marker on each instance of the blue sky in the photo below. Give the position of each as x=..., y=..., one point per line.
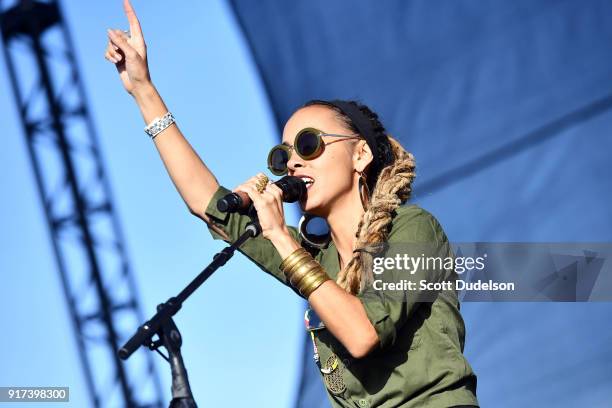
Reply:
x=242, y=324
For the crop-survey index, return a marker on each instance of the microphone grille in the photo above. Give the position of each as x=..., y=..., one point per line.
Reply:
x=293, y=188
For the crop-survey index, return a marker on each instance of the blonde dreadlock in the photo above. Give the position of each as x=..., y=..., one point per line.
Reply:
x=393, y=188
x=390, y=188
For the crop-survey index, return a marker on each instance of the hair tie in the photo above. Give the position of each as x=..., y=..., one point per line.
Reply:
x=373, y=249
x=364, y=250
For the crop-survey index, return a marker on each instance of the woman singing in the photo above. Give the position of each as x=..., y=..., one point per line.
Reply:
x=372, y=350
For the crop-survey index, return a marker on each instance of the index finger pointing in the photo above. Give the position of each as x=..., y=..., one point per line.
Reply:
x=132, y=19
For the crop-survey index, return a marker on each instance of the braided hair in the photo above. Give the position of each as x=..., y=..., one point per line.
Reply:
x=390, y=188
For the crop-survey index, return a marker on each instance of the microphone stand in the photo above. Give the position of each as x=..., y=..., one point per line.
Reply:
x=162, y=324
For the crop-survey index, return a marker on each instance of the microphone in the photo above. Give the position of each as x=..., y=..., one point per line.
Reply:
x=293, y=188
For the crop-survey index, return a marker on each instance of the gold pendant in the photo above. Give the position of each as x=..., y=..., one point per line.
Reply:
x=332, y=374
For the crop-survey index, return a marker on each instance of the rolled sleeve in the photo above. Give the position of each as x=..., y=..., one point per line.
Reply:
x=229, y=227
x=381, y=319
x=415, y=233
x=226, y=226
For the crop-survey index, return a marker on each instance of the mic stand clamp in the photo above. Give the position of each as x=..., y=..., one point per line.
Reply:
x=171, y=339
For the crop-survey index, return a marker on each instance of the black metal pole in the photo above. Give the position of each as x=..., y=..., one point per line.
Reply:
x=163, y=325
x=181, y=391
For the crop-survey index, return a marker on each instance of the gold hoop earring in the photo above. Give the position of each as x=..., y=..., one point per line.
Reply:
x=363, y=185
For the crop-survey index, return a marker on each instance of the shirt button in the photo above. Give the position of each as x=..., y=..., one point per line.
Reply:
x=363, y=403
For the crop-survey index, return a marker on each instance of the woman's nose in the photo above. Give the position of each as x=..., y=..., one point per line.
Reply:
x=295, y=161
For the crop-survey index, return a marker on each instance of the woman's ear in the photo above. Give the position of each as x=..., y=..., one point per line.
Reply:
x=362, y=156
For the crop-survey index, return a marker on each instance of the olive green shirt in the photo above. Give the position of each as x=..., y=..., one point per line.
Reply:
x=419, y=361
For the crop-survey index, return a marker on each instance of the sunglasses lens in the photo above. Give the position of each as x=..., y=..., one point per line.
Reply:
x=277, y=160
x=307, y=144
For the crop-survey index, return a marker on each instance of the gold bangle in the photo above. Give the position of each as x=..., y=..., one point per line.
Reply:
x=298, y=269
x=310, y=278
x=306, y=291
x=309, y=291
x=290, y=260
x=297, y=264
x=291, y=256
x=301, y=271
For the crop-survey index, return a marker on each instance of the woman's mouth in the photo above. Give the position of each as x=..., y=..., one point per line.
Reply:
x=309, y=181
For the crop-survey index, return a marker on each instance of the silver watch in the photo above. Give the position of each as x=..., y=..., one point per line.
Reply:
x=159, y=124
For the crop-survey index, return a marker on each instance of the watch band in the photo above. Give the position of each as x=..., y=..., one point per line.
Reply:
x=159, y=124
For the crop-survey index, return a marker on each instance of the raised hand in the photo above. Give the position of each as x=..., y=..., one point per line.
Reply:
x=129, y=53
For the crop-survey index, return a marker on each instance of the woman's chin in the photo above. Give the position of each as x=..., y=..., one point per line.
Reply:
x=306, y=205
x=311, y=207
